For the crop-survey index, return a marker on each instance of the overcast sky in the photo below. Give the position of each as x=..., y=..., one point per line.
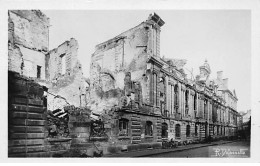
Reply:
x=220, y=36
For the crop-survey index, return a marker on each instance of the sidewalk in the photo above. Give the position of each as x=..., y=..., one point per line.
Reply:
x=144, y=153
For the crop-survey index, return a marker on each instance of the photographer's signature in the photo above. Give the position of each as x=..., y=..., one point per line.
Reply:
x=227, y=152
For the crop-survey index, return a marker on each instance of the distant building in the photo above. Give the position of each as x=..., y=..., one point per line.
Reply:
x=246, y=122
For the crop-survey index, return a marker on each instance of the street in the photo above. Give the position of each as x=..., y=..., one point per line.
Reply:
x=210, y=151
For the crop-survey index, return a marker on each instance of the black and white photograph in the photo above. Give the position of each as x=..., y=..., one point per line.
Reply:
x=129, y=83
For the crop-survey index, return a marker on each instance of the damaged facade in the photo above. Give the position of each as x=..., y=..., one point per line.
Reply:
x=151, y=97
x=29, y=55
x=134, y=99
x=41, y=82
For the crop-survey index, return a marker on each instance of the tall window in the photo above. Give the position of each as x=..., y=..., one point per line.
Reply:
x=63, y=64
x=123, y=127
x=176, y=94
x=162, y=87
x=164, y=130
x=155, y=88
x=177, y=131
x=205, y=107
x=39, y=71
x=186, y=102
x=171, y=99
x=188, y=131
x=196, y=130
x=149, y=128
x=195, y=101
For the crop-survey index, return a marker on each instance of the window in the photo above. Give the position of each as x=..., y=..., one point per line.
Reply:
x=123, y=127
x=205, y=107
x=195, y=101
x=63, y=64
x=188, y=131
x=177, y=131
x=155, y=88
x=39, y=71
x=186, y=102
x=172, y=99
x=149, y=128
x=196, y=130
x=162, y=87
x=176, y=97
x=164, y=130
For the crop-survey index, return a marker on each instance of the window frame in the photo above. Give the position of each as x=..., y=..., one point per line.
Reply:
x=178, y=132
x=148, y=128
x=188, y=131
x=38, y=74
x=164, y=126
x=123, y=127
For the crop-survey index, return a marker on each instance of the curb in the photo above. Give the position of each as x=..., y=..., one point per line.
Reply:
x=169, y=151
x=179, y=150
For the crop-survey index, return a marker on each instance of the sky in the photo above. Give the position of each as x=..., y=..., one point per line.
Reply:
x=223, y=37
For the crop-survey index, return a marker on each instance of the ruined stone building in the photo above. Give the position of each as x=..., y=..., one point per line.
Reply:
x=33, y=70
x=135, y=99
x=29, y=55
x=150, y=97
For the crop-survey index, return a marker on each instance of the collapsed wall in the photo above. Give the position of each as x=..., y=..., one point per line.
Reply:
x=65, y=75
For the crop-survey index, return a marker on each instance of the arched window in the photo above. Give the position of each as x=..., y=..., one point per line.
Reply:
x=149, y=128
x=176, y=95
x=123, y=127
x=188, y=131
x=164, y=130
x=177, y=131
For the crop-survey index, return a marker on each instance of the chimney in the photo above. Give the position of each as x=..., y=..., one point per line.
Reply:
x=155, y=32
x=219, y=75
x=225, y=83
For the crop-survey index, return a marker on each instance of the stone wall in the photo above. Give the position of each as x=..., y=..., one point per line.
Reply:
x=30, y=29
x=69, y=50
x=26, y=118
x=127, y=52
x=27, y=42
x=71, y=85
